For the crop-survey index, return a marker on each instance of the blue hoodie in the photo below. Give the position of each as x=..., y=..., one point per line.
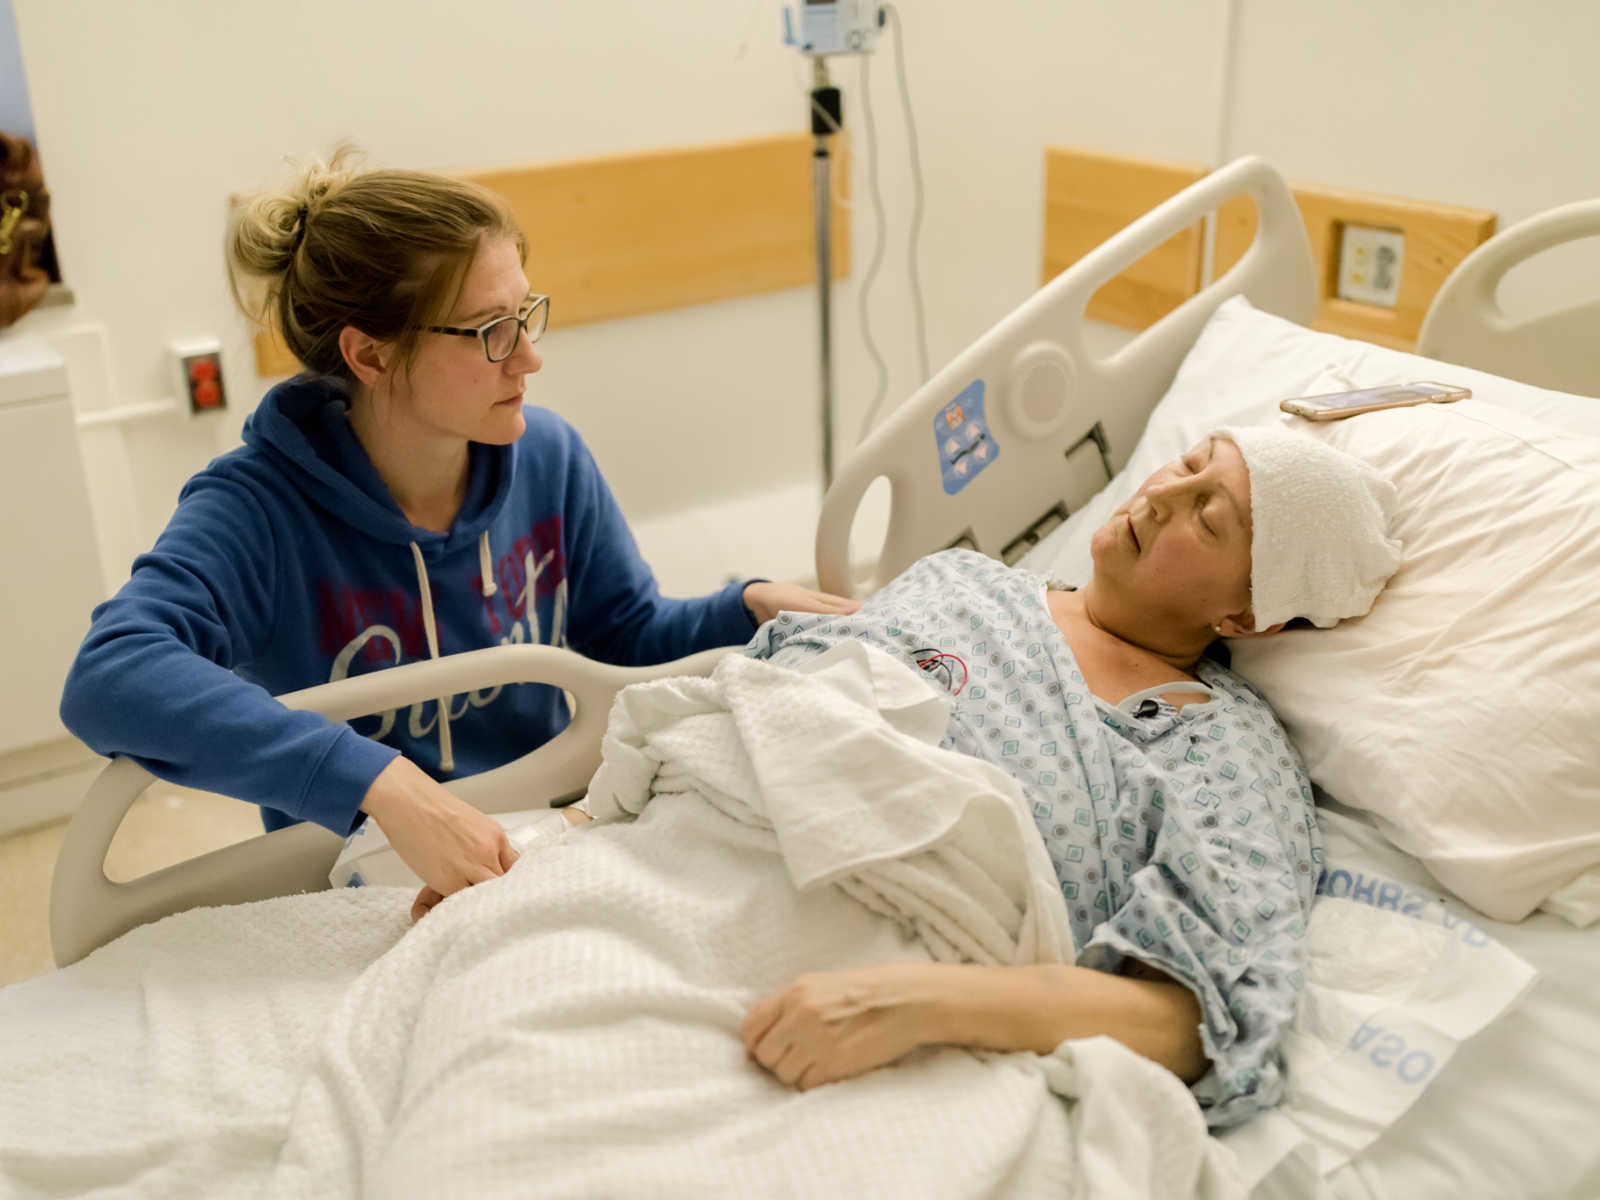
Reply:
x=288, y=564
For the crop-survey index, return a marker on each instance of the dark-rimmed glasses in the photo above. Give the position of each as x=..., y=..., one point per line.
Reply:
x=499, y=336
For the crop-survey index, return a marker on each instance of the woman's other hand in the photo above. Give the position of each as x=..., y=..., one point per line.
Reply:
x=447, y=842
x=767, y=600
x=837, y=1024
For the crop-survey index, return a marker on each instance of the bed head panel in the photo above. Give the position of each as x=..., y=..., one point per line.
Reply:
x=1041, y=422
x=1466, y=325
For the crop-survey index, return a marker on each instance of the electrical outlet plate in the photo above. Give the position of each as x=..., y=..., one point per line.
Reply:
x=196, y=367
x=1370, y=261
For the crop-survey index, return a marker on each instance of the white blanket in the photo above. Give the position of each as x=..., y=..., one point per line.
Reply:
x=164, y=1064
x=838, y=763
x=572, y=1028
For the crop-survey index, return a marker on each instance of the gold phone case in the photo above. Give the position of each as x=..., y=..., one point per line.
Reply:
x=1318, y=408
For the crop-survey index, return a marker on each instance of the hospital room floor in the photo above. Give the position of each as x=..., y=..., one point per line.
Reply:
x=165, y=825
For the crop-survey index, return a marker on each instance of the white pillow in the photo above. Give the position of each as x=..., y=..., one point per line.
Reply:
x=1463, y=712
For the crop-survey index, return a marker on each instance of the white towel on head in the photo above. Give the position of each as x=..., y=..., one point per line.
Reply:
x=1320, y=545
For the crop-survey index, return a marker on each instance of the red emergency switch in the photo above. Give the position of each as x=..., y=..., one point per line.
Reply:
x=200, y=375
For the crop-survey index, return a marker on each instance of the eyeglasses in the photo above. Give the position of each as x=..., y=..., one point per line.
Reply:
x=499, y=336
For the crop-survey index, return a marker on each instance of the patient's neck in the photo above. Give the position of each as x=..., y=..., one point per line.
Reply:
x=1178, y=644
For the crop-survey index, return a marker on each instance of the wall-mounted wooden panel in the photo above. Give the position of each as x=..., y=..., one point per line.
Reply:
x=1437, y=237
x=1090, y=196
x=636, y=233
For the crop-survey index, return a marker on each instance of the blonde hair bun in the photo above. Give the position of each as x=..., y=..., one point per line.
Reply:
x=339, y=245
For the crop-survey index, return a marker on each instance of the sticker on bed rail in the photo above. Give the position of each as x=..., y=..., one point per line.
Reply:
x=962, y=435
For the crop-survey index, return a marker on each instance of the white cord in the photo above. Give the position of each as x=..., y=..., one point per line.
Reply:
x=916, y=192
x=882, y=221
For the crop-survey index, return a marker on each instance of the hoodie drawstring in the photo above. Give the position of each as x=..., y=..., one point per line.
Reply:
x=447, y=760
x=485, y=566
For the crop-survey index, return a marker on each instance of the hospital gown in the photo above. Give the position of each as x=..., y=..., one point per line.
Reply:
x=1182, y=838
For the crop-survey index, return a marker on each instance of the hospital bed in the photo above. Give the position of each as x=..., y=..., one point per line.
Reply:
x=1059, y=421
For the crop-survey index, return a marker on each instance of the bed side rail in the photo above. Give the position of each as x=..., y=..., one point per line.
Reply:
x=87, y=909
x=1465, y=324
x=1052, y=417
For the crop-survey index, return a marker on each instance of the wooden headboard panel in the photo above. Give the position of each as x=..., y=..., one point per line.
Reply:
x=1438, y=236
x=1087, y=198
x=1090, y=195
x=636, y=233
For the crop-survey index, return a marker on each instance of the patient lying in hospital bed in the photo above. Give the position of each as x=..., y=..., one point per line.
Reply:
x=830, y=865
x=1176, y=816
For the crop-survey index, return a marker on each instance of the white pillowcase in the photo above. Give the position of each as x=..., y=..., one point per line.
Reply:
x=1463, y=711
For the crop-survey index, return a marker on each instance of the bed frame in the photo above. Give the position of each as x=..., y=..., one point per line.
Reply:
x=1060, y=419
x=1466, y=325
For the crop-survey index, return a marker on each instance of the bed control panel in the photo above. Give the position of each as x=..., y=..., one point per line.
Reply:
x=965, y=444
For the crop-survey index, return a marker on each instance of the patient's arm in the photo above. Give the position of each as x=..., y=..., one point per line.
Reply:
x=1038, y=1008
x=837, y=1024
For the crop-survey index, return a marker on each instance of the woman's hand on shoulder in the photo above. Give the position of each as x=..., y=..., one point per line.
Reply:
x=767, y=600
x=446, y=841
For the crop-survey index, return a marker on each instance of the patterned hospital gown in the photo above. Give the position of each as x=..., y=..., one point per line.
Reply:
x=1183, y=838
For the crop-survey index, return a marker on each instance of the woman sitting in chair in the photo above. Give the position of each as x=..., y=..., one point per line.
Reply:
x=1176, y=813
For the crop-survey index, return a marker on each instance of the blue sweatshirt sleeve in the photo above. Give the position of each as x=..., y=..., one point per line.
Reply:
x=154, y=679
x=616, y=612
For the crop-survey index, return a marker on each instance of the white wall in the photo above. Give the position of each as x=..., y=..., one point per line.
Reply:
x=1475, y=102
x=151, y=115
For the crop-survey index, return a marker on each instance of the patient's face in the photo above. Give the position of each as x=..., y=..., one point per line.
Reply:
x=1179, y=550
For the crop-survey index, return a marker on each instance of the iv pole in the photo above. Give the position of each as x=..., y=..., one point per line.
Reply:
x=826, y=120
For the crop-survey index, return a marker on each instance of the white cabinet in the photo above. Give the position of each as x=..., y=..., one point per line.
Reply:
x=49, y=565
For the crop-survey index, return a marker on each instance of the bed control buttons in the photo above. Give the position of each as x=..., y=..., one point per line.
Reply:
x=961, y=435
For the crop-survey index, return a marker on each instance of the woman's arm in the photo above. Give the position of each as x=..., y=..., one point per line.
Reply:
x=617, y=613
x=837, y=1024
x=154, y=678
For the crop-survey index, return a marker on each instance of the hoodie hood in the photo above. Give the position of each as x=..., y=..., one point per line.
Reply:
x=302, y=425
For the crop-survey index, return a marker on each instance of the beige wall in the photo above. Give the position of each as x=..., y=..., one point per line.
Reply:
x=151, y=114
x=1476, y=102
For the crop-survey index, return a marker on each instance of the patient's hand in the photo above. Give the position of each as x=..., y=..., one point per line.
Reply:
x=838, y=1024
x=767, y=600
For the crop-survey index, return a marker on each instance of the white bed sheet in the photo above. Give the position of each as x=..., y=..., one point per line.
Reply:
x=1515, y=1113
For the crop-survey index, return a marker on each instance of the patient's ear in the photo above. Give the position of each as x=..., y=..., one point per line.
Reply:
x=1243, y=625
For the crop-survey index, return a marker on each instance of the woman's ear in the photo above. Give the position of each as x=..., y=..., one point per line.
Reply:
x=366, y=356
x=1243, y=625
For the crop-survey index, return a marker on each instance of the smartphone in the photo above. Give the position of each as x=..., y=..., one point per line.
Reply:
x=1335, y=405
